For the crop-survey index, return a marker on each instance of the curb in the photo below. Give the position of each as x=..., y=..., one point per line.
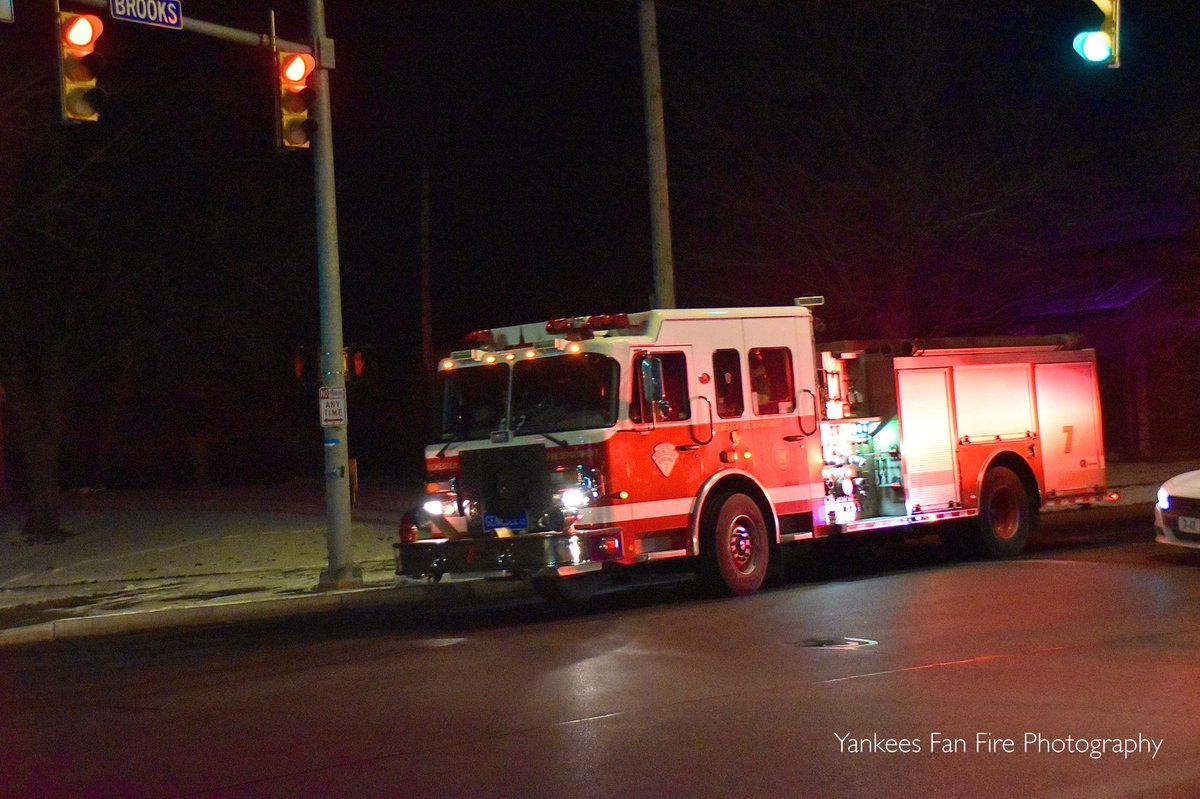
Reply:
x=133, y=621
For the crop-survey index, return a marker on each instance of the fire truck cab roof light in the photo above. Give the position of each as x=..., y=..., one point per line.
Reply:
x=597, y=322
x=480, y=337
x=522, y=352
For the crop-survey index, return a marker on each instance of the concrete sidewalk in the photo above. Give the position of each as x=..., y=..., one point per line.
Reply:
x=156, y=559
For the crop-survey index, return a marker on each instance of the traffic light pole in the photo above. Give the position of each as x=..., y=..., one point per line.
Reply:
x=341, y=573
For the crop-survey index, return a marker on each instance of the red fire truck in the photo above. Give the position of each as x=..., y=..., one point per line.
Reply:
x=580, y=446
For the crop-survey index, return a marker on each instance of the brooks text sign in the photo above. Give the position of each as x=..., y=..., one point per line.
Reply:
x=163, y=13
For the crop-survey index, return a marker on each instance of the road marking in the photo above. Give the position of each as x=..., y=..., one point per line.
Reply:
x=949, y=663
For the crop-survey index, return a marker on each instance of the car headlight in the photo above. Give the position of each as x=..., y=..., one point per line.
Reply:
x=1164, y=499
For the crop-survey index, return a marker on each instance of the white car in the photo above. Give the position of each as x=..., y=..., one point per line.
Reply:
x=1177, y=512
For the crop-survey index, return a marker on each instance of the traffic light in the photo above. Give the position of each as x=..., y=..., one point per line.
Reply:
x=295, y=99
x=357, y=364
x=78, y=65
x=1102, y=46
x=354, y=364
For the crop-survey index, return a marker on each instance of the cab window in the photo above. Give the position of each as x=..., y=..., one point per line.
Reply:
x=727, y=373
x=674, y=406
x=771, y=380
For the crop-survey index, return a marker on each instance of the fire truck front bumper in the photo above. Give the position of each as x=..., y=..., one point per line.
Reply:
x=531, y=554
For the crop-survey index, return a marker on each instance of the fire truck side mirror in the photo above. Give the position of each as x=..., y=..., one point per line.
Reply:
x=652, y=380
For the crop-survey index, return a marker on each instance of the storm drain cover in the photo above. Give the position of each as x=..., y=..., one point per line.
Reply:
x=837, y=643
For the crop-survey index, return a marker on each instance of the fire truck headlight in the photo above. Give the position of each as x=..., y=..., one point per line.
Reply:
x=573, y=498
x=440, y=506
x=1164, y=499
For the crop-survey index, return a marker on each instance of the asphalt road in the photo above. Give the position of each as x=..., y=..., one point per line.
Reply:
x=1070, y=672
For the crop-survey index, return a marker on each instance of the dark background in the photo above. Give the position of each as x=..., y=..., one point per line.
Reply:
x=932, y=168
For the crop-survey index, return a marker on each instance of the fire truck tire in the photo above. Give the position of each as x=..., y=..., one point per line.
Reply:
x=1007, y=516
x=735, y=545
x=566, y=591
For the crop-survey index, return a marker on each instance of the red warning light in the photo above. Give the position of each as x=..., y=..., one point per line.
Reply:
x=296, y=67
x=81, y=30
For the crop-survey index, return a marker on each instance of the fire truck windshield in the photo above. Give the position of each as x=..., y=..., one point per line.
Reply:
x=549, y=394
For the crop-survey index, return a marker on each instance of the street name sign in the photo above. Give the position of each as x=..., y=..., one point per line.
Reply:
x=333, y=406
x=163, y=13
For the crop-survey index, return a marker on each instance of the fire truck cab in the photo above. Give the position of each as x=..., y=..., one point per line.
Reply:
x=584, y=445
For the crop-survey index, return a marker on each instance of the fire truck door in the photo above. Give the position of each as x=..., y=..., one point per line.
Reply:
x=1069, y=426
x=782, y=391
x=927, y=438
x=672, y=422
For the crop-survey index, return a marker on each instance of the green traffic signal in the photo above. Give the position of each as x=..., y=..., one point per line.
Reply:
x=1102, y=46
x=1094, y=46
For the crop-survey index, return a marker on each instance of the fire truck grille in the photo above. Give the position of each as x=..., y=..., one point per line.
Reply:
x=508, y=487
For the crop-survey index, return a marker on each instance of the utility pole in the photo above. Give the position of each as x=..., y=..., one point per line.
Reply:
x=656, y=147
x=426, y=277
x=341, y=572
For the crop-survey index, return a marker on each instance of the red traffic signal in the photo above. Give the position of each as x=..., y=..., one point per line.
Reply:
x=295, y=98
x=78, y=65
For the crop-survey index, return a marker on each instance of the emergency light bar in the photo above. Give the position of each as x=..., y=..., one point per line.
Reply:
x=599, y=322
x=524, y=352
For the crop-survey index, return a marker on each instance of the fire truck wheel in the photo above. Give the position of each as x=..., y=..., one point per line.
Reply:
x=736, y=548
x=566, y=591
x=1006, y=514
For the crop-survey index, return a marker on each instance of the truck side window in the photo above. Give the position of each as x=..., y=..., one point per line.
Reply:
x=771, y=379
x=727, y=371
x=674, y=406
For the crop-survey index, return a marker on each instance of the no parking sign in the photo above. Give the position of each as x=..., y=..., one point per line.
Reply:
x=333, y=406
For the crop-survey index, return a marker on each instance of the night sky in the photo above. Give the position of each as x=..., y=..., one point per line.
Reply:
x=798, y=136
x=529, y=117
